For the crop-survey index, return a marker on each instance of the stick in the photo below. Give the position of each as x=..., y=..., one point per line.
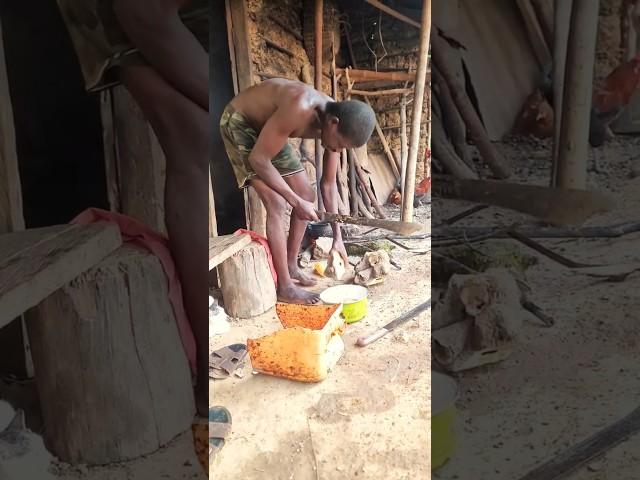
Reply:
x=378, y=334
x=286, y=27
x=370, y=75
x=416, y=115
x=612, y=231
x=274, y=45
x=446, y=154
x=404, y=147
x=352, y=186
x=489, y=153
x=363, y=208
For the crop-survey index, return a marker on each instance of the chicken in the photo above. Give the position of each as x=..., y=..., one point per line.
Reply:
x=609, y=100
x=421, y=193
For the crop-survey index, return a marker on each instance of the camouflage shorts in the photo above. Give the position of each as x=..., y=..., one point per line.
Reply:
x=101, y=44
x=239, y=139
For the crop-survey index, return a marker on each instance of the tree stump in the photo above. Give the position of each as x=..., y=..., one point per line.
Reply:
x=247, y=285
x=110, y=367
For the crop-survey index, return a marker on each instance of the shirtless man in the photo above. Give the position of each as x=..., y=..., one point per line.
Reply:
x=255, y=127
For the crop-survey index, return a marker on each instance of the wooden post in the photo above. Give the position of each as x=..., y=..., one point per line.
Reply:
x=416, y=117
x=576, y=104
x=534, y=32
x=239, y=48
x=213, y=222
x=318, y=18
x=14, y=342
x=562, y=21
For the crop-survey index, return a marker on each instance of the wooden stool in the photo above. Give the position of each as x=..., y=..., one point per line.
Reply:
x=110, y=367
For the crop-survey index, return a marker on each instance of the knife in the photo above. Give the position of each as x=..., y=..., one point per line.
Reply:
x=404, y=228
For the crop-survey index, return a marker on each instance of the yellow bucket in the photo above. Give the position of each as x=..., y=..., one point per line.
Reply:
x=444, y=392
x=353, y=299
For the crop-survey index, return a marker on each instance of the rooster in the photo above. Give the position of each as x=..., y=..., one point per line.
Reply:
x=421, y=193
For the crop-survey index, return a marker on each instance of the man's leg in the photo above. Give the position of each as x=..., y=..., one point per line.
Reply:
x=155, y=29
x=299, y=183
x=276, y=207
x=182, y=129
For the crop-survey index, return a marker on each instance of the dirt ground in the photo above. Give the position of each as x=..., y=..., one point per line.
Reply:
x=369, y=419
x=563, y=383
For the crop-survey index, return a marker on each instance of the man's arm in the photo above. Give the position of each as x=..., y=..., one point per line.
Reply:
x=272, y=138
x=329, y=189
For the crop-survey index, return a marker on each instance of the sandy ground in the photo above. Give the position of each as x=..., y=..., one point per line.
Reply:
x=369, y=419
x=564, y=383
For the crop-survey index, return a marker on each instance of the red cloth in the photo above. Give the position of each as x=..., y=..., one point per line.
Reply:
x=265, y=243
x=138, y=234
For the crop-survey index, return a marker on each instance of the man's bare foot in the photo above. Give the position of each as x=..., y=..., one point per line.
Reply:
x=295, y=294
x=302, y=278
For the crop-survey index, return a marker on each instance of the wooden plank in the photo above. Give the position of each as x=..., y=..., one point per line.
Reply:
x=535, y=32
x=35, y=264
x=370, y=75
x=141, y=163
x=239, y=48
x=223, y=247
x=377, y=93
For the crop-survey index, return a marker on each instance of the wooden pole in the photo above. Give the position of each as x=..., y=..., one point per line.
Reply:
x=370, y=75
x=213, y=222
x=318, y=86
x=562, y=20
x=416, y=117
x=367, y=187
x=496, y=162
x=353, y=192
x=378, y=93
x=390, y=11
x=535, y=32
x=576, y=104
x=404, y=147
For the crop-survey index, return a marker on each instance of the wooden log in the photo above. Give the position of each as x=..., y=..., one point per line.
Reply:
x=317, y=83
x=394, y=13
x=109, y=361
x=247, y=285
x=418, y=100
x=452, y=121
x=446, y=154
x=562, y=23
x=576, y=104
x=239, y=48
x=353, y=193
x=363, y=208
x=364, y=181
x=297, y=35
x=496, y=162
x=221, y=248
x=378, y=93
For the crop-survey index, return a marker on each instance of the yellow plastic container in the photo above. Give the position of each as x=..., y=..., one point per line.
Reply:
x=444, y=391
x=353, y=299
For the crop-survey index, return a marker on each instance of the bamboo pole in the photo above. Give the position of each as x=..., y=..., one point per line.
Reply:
x=418, y=100
x=562, y=21
x=318, y=86
x=496, y=162
x=576, y=104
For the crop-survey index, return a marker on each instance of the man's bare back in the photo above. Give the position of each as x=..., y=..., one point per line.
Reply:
x=261, y=101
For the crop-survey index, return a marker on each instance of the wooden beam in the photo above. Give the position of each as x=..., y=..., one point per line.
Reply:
x=534, y=32
x=378, y=93
x=239, y=48
x=370, y=75
x=576, y=104
x=562, y=21
x=418, y=100
x=35, y=263
x=393, y=13
x=318, y=20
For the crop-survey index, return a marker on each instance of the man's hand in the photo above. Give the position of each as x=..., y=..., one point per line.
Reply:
x=338, y=247
x=306, y=210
